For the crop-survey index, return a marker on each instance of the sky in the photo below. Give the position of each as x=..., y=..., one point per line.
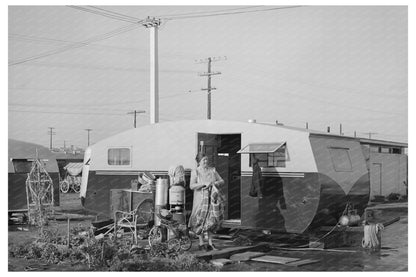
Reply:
x=325, y=65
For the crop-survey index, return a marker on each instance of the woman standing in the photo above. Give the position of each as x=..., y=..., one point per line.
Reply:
x=208, y=204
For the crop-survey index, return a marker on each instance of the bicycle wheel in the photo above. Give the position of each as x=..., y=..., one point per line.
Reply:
x=155, y=236
x=174, y=244
x=186, y=243
x=64, y=186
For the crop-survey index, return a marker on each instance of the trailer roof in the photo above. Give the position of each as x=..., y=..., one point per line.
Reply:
x=362, y=140
x=20, y=150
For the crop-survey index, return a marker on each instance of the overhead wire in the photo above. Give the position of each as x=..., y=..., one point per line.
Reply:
x=83, y=43
x=59, y=112
x=115, y=13
x=109, y=15
x=213, y=11
x=229, y=13
x=315, y=99
x=45, y=40
x=97, y=105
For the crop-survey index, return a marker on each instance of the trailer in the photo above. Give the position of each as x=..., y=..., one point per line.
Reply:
x=309, y=177
x=20, y=158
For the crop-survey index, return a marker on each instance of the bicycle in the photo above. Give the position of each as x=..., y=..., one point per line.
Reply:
x=181, y=239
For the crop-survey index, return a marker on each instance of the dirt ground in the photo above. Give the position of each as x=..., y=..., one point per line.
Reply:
x=392, y=257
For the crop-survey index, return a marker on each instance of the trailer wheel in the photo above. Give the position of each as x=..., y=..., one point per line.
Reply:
x=64, y=186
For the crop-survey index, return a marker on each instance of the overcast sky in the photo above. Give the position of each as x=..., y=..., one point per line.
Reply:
x=317, y=64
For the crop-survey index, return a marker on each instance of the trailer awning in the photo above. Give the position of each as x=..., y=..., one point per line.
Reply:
x=261, y=148
x=74, y=168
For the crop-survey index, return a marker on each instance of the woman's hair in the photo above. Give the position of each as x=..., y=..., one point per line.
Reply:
x=199, y=157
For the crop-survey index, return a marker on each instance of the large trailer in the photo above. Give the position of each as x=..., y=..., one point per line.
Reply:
x=308, y=177
x=20, y=157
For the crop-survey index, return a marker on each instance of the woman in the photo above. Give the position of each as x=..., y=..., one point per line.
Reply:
x=208, y=205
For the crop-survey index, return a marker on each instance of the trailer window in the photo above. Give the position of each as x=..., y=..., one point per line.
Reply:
x=275, y=159
x=22, y=165
x=119, y=156
x=341, y=159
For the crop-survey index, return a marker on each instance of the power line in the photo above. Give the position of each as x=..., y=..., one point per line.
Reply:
x=102, y=67
x=214, y=11
x=230, y=13
x=86, y=42
x=45, y=40
x=115, y=13
x=315, y=99
x=109, y=15
x=75, y=113
x=86, y=105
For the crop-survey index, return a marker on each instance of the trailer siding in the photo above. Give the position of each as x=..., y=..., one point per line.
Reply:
x=288, y=204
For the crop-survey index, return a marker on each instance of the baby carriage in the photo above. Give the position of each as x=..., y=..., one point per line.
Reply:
x=72, y=178
x=180, y=239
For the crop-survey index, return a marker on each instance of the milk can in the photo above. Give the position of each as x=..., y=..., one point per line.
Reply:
x=161, y=198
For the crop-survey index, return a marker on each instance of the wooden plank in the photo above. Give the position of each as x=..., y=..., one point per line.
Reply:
x=275, y=259
x=221, y=262
x=313, y=249
x=246, y=256
x=227, y=252
x=302, y=262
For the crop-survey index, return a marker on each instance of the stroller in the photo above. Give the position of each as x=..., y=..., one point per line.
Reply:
x=72, y=178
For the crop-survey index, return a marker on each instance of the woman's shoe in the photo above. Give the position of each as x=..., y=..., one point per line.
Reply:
x=211, y=247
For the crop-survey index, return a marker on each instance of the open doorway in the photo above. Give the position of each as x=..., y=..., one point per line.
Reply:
x=222, y=152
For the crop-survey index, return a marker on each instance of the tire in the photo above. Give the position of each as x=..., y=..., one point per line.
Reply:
x=64, y=186
x=155, y=236
x=174, y=244
x=186, y=243
x=76, y=187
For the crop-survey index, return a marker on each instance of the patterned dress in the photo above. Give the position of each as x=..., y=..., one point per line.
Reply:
x=208, y=204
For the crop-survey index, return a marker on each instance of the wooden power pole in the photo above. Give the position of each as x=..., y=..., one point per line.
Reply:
x=209, y=73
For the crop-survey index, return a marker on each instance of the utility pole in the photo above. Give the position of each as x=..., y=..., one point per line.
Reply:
x=355, y=134
x=88, y=130
x=369, y=134
x=209, y=73
x=51, y=133
x=153, y=24
x=340, y=129
x=307, y=125
x=135, y=114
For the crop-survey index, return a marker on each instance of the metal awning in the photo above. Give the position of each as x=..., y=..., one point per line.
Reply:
x=261, y=148
x=74, y=168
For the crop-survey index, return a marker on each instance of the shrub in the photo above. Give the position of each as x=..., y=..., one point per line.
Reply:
x=393, y=196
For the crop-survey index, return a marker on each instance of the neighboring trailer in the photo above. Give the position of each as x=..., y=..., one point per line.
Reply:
x=308, y=178
x=387, y=163
x=20, y=157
